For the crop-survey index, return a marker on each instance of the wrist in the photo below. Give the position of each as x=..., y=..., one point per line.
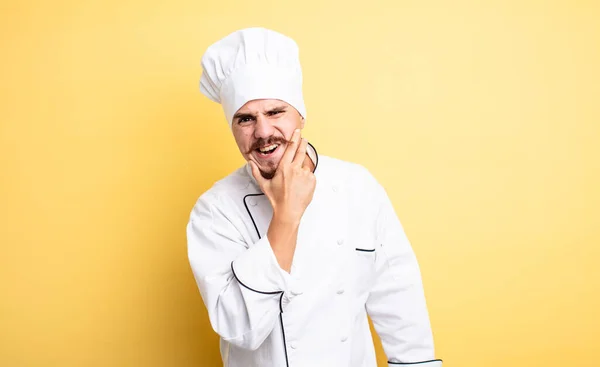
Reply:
x=285, y=218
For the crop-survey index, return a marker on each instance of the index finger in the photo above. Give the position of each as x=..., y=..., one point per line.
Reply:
x=291, y=149
x=300, y=153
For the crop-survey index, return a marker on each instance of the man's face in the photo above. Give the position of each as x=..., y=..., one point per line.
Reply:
x=262, y=129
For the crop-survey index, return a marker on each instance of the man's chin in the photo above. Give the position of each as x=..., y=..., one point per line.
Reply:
x=268, y=169
x=267, y=174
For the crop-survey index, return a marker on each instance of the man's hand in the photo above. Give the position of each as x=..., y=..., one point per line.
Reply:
x=292, y=188
x=289, y=191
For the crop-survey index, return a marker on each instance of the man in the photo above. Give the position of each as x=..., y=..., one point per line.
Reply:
x=293, y=250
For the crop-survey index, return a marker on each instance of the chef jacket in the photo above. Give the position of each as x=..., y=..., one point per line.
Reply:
x=352, y=259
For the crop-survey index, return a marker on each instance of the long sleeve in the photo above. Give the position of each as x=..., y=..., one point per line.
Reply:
x=242, y=285
x=396, y=304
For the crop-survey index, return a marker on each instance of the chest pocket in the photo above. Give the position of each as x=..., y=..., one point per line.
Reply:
x=364, y=268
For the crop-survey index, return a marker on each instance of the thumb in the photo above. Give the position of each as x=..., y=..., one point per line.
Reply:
x=256, y=173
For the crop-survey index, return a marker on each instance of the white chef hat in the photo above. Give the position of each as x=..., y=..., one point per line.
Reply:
x=252, y=63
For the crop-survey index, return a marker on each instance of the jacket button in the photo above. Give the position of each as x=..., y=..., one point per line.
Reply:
x=340, y=291
x=296, y=292
x=340, y=241
x=293, y=346
x=344, y=338
x=334, y=188
x=252, y=202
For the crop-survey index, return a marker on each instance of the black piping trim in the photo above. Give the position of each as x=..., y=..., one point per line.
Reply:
x=365, y=250
x=316, y=155
x=287, y=363
x=254, y=290
x=410, y=363
x=280, y=303
x=250, y=214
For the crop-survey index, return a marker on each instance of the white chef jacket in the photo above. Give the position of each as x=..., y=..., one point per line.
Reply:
x=352, y=259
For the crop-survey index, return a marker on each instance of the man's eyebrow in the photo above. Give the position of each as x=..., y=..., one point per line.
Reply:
x=278, y=108
x=242, y=115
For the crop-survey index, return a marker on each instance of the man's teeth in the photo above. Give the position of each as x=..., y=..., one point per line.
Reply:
x=269, y=148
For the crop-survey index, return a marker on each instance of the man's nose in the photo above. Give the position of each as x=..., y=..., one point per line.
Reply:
x=263, y=128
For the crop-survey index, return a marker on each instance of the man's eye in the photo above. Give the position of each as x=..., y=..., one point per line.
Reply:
x=274, y=113
x=244, y=119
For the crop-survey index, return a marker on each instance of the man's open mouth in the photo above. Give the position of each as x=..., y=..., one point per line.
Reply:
x=268, y=150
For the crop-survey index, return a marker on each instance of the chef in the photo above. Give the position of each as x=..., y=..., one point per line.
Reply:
x=293, y=251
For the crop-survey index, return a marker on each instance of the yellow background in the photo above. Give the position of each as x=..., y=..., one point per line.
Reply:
x=481, y=119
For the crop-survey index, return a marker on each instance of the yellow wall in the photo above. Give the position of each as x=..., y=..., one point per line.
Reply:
x=482, y=120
